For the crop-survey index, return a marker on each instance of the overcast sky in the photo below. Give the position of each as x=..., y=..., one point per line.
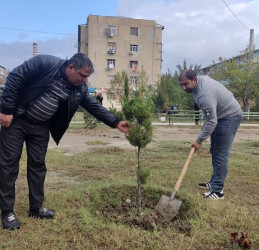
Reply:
x=199, y=31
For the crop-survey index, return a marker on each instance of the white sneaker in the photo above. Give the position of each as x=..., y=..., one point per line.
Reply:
x=205, y=184
x=214, y=195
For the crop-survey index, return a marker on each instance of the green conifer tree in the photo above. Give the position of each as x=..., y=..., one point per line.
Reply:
x=137, y=111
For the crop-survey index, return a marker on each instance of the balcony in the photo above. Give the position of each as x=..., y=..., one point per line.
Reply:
x=135, y=69
x=111, y=51
x=110, y=67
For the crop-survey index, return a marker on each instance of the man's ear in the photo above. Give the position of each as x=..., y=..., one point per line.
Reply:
x=195, y=79
x=70, y=67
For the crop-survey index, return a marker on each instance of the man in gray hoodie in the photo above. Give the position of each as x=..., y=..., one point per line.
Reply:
x=222, y=114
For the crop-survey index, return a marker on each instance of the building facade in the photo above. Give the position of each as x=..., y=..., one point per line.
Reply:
x=3, y=74
x=239, y=59
x=117, y=43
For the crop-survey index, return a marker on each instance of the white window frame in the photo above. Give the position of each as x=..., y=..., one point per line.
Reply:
x=110, y=62
x=133, y=80
x=111, y=47
x=111, y=97
x=133, y=64
x=133, y=48
x=112, y=29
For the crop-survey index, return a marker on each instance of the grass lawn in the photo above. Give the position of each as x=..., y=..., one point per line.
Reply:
x=94, y=198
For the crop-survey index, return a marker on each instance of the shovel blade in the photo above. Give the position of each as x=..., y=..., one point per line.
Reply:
x=168, y=208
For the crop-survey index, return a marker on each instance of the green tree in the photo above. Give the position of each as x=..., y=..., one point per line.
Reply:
x=137, y=110
x=195, y=67
x=126, y=86
x=240, y=77
x=90, y=121
x=168, y=91
x=119, y=86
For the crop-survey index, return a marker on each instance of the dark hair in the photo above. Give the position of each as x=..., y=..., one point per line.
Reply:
x=81, y=60
x=188, y=73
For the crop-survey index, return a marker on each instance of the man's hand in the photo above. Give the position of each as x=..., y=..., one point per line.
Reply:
x=6, y=120
x=196, y=145
x=123, y=126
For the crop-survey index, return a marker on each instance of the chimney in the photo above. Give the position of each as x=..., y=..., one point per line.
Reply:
x=34, y=49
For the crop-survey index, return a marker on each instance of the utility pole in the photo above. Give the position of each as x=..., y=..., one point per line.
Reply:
x=250, y=65
x=251, y=40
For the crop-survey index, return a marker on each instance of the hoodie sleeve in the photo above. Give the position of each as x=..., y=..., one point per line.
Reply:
x=208, y=105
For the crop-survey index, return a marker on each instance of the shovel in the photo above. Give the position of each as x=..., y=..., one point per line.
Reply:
x=168, y=207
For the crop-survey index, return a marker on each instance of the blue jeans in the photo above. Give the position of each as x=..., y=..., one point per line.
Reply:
x=221, y=143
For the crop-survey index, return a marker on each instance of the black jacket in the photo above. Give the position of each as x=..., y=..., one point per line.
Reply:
x=29, y=80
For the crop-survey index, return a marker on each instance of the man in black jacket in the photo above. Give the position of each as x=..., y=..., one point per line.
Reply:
x=41, y=96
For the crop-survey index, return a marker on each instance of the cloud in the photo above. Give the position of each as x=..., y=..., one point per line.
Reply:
x=15, y=53
x=198, y=31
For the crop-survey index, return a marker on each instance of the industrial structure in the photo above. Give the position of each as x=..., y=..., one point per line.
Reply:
x=117, y=43
x=34, y=49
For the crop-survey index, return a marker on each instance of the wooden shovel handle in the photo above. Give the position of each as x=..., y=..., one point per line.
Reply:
x=180, y=179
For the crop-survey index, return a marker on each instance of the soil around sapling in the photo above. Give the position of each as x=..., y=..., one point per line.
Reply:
x=118, y=204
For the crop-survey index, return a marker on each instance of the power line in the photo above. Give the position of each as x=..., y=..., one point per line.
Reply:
x=37, y=31
x=235, y=15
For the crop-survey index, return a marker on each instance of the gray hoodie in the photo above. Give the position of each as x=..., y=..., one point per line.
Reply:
x=215, y=101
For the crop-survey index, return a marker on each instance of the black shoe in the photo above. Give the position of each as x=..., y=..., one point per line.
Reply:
x=214, y=195
x=10, y=221
x=42, y=213
x=205, y=184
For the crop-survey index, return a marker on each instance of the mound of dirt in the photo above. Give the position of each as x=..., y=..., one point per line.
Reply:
x=122, y=208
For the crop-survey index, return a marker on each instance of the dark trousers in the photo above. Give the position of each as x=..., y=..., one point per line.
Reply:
x=36, y=138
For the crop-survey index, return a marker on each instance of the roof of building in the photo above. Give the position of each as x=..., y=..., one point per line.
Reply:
x=256, y=51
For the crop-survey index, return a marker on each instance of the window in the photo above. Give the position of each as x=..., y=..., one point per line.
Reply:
x=133, y=80
x=109, y=79
x=133, y=64
x=111, y=97
x=111, y=30
x=134, y=31
x=133, y=48
x=110, y=63
x=111, y=48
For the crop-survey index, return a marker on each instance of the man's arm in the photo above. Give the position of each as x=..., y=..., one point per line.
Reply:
x=15, y=82
x=101, y=113
x=208, y=105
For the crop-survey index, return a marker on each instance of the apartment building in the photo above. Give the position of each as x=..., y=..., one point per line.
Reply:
x=239, y=59
x=118, y=43
x=3, y=74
